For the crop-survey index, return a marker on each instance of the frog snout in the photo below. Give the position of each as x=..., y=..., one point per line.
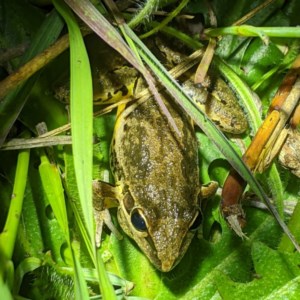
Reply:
x=169, y=257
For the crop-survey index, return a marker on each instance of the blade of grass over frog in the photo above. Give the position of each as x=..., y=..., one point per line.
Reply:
x=81, y=102
x=9, y=234
x=93, y=18
x=209, y=129
x=13, y=103
x=52, y=185
x=248, y=30
x=152, y=87
x=165, y=21
x=103, y=280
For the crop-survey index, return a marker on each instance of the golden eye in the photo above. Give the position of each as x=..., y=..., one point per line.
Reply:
x=195, y=224
x=138, y=220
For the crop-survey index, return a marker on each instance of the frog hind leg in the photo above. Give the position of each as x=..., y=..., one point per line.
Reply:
x=104, y=197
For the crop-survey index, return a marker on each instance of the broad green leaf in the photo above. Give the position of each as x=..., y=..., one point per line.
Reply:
x=276, y=276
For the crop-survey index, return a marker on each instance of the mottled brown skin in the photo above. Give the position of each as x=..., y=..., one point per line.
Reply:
x=158, y=173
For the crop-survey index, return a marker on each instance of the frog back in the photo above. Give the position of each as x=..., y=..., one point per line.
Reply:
x=151, y=160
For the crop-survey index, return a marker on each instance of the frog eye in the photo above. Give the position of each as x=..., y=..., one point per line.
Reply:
x=138, y=220
x=195, y=224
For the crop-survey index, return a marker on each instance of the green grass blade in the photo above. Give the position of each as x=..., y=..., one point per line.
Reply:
x=73, y=196
x=9, y=233
x=82, y=137
x=107, y=290
x=81, y=108
x=81, y=290
x=81, y=102
x=248, y=30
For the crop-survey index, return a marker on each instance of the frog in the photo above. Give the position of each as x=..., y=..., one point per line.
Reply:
x=158, y=176
x=156, y=170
